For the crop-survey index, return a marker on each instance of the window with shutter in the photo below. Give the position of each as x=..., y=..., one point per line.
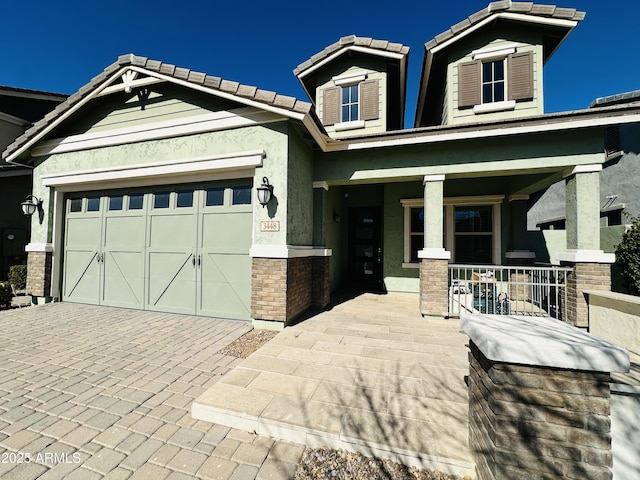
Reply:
x=369, y=95
x=469, y=84
x=331, y=106
x=520, y=67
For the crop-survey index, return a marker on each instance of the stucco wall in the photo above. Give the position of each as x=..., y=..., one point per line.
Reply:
x=615, y=317
x=271, y=138
x=300, y=192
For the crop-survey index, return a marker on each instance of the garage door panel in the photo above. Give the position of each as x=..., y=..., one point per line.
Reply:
x=83, y=232
x=174, y=232
x=225, y=289
x=125, y=232
x=82, y=276
x=171, y=278
x=123, y=279
x=227, y=232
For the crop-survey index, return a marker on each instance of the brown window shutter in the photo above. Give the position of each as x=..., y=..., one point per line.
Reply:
x=520, y=71
x=469, y=82
x=369, y=100
x=331, y=106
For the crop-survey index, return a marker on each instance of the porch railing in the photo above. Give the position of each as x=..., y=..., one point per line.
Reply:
x=506, y=290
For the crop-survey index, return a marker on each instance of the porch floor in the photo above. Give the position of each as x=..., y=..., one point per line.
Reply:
x=368, y=374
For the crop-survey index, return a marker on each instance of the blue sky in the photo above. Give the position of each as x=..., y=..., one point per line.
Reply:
x=58, y=46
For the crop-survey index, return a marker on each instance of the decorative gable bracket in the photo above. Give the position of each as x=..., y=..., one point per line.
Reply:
x=130, y=81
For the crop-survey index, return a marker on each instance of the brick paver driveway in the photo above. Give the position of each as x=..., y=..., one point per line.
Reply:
x=96, y=392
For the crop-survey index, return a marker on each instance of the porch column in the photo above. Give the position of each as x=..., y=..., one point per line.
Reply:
x=434, y=259
x=591, y=266
x=320, y=271
x=518, y=252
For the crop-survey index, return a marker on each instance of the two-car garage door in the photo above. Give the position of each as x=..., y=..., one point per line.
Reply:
x=180, y=249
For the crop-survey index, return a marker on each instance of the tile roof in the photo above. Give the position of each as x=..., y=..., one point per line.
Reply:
x=197, y=78
x=348, y=41
x=506, y=6
x=627, y=97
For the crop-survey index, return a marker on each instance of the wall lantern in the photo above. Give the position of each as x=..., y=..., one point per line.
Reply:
x=31, y=204
x=265, y=192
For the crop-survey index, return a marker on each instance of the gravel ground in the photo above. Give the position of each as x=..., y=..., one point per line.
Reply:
x=325, y=463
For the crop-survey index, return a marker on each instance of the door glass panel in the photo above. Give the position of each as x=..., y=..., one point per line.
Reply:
x=93, y=204
x=135, y=202
x=161, y=200
x=115, y=202
x=241, y=195
x=365, y=233
x=185, y=199
x=75, y=205
x=364, y=251
x=364, y=268
x=215, y=197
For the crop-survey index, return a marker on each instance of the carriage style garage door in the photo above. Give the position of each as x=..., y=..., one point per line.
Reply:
x=181, y=249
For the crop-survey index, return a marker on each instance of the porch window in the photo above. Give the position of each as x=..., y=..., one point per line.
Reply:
x=471, y=229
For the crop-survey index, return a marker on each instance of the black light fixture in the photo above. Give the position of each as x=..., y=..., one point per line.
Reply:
x=265, y=192
x=31, y=204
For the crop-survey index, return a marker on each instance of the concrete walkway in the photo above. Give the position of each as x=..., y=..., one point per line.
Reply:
x=95, y=392
x=368, y=375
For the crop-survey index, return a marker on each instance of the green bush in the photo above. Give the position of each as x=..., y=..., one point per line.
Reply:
x=18, y=276
x=628, y=257
x=5, y=294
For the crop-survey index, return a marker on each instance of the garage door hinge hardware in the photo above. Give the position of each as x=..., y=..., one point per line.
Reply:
x=195, y=260
x=100, y=258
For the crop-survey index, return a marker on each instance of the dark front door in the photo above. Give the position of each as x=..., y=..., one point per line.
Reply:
x=365, y=248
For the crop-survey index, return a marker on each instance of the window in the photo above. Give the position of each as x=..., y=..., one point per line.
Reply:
x=471, y=229
x=75, y=205
x=241, y=195
x=136, y=201
x=115, y=202
x=495, y=80
x=161, y=200
x=493, y=83
x=93, y=204
x=350, y=103
x=185, y=198
x=215, y=197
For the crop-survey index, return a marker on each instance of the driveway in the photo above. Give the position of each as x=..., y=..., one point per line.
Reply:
x=92, y=392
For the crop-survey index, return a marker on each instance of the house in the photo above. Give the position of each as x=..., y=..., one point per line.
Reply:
x=149, y=175
x=619, y=199
x=19, y=108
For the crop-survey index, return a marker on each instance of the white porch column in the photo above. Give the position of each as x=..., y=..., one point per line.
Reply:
x=434, y=259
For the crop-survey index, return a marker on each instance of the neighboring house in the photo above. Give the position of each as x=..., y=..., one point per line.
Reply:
x=19, y=108
x=149, y=174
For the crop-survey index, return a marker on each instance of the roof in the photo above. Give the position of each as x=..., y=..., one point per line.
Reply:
x=627, y=97
x=558, y=23
x=162, y=69
x=351, y=41
x=25, y=92
x=506, y=6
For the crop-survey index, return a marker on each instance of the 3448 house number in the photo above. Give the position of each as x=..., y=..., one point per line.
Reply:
x=270, y=226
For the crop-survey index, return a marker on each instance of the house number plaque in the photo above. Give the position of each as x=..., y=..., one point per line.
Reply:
x=270, y=226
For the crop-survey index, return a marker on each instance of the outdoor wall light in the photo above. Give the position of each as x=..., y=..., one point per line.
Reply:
x=31, y=204
x=265, y=192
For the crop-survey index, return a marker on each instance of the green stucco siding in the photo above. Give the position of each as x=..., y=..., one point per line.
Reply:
x=299, y=192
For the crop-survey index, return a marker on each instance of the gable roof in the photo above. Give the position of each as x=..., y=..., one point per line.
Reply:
x=561, y=20
x=160, y=71
x=346, y=43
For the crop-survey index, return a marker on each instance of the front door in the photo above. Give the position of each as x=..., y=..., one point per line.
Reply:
x=365, y=248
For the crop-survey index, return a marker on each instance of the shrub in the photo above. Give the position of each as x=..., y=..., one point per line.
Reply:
x=628, y=257
x=5, y=294
x=18, y=276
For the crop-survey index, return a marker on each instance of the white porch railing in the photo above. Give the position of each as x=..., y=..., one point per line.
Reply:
x=506, y=290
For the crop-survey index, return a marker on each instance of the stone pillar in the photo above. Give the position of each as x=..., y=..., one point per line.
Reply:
x=591, y=266
x=434, y=259
x=518, y=252
x=539, y=401
x=39, y=272
x=284, y=287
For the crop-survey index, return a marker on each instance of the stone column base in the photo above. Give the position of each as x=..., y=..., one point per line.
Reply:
x=434, y=287
x=283, y=288
x=39, y=274
x=585, y=276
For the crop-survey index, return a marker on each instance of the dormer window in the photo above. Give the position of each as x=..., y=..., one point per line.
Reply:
x=495, y=80
x=353, y=100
